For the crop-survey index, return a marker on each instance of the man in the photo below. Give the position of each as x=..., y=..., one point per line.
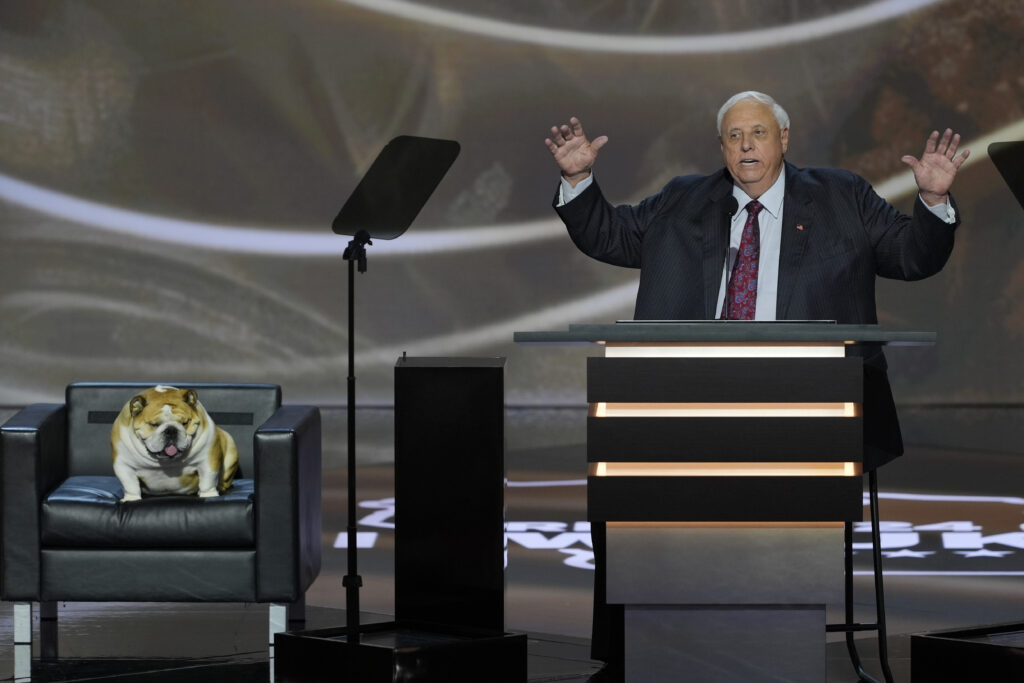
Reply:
x=761, y=239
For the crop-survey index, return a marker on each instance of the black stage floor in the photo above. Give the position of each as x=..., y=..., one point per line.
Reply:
x=222, y=643
x=952, y=531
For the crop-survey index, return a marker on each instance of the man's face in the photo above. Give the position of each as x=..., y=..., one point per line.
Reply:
x=753, y=145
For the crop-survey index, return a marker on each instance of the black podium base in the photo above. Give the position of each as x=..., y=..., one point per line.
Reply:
x=990, y=653
x=397, y=652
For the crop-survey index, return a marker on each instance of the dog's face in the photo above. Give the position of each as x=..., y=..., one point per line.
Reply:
x=166, y=421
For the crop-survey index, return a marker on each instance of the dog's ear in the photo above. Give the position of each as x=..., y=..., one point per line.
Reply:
x=191, y=398
x=137, y=404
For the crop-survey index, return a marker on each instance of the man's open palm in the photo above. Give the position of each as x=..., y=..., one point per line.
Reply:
x=573, y=152
x=935, y=170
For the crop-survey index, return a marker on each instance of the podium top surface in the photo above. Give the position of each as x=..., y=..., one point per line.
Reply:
x=725, y=331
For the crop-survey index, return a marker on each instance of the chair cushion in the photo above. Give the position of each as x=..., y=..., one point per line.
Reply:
x=86, y=512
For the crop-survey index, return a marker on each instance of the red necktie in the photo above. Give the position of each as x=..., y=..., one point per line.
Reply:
x=741, y=296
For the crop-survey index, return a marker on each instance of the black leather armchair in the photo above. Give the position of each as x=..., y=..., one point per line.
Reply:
x=66, y=536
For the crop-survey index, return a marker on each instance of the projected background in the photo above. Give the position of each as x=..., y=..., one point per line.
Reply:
x=169, y=172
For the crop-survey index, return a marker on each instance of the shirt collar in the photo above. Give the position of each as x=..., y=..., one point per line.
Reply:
x=771, y=200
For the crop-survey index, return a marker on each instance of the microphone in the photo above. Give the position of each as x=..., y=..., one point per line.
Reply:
x=730, y=259
x=731, y=206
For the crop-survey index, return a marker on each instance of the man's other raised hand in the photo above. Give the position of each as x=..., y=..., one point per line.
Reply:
x=573, y=152
x=935, y=170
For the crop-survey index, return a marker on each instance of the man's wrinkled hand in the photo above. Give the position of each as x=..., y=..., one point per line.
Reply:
x=573, y=152
x=935, y=170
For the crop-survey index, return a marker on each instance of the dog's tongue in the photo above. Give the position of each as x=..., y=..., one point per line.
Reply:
x=171, y=451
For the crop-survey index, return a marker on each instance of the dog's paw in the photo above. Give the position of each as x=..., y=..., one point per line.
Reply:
x=211, y=493
x=131, y=496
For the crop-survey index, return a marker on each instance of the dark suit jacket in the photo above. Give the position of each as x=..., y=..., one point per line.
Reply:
x=679, y=238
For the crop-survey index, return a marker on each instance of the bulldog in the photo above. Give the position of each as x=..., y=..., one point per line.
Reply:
x=164, y=442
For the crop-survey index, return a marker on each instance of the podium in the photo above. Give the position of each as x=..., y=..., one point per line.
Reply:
x=724, y=459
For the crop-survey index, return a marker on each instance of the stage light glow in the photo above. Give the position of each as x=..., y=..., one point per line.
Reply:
x=307, y=242
x=311, y=241
x=737, y=41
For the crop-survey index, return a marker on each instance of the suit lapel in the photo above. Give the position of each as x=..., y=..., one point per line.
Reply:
x=715, y=229
x=797, y=223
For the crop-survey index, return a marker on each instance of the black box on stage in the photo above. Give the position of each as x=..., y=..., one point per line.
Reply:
x=450, y=491
x=449, y=542
x=990, y=653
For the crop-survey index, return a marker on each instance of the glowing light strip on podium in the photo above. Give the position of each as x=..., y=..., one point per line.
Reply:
x=683, y=410
x=780, y=410
x=725, y=469
x=752, y=524
x=725, y=350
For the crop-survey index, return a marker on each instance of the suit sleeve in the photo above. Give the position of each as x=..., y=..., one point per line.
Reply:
x=905, y=247
x=611, y=234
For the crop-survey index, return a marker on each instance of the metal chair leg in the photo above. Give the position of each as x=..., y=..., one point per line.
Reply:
x=22, y=641
x=23, y=637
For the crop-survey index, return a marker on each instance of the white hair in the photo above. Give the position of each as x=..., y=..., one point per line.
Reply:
x=781, y=117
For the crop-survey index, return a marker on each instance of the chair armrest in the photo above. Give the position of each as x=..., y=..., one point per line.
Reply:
x=289, y=519
x=33, y=461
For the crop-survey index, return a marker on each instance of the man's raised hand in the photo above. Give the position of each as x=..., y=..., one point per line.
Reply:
x=573, y=152
x=935, y=170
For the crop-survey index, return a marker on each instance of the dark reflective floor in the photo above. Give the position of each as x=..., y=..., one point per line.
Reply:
x=952, y=534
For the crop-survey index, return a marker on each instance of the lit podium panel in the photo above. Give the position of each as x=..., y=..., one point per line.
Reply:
x=724, y=458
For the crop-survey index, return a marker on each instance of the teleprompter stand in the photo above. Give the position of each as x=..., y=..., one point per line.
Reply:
x=383, y=205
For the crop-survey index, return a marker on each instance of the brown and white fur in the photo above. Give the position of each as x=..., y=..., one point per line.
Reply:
x=164, y=442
